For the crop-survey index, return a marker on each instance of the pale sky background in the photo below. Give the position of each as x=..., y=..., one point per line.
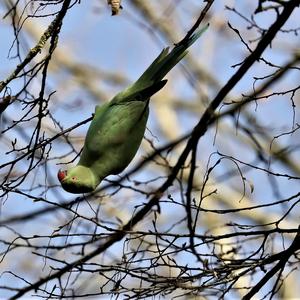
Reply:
x=125, y=44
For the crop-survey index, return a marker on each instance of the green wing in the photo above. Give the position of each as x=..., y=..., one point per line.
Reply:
x=114, y=137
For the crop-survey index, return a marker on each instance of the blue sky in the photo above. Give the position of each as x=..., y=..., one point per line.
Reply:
x=124, y=45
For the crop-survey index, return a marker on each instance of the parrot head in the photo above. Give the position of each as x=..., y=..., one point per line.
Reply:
x=77, y=180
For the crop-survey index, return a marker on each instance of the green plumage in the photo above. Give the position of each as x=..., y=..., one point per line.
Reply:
x=118, y=126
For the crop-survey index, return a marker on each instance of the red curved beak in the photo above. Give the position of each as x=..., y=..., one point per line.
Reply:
x=61, y=175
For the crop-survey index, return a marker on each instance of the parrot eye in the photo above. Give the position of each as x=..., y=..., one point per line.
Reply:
x=74, y=178
x=61, y=175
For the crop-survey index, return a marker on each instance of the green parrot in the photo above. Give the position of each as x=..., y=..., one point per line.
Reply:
x=118, y=127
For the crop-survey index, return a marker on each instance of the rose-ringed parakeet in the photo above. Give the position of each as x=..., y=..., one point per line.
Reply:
x=118, y=126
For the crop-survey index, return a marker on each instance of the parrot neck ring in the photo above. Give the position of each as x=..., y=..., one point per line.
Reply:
x=61, y=175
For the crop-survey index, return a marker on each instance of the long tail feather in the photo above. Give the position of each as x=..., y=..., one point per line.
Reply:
x=151, y=80
x=167, y=60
